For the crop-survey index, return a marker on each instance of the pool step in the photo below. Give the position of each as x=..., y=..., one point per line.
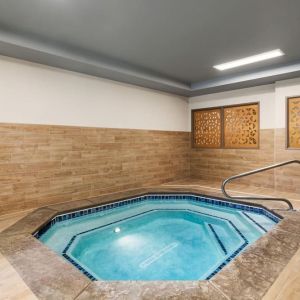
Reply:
x=260, y=221
x=217, y=238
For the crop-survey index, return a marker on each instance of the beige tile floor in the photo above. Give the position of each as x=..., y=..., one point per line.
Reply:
x=286, y=287
x=12, y=287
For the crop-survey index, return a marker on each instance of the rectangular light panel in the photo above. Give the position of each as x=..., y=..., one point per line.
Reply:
x=249, y=60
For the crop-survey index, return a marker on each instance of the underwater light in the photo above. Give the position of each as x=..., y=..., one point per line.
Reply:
x=117, y=230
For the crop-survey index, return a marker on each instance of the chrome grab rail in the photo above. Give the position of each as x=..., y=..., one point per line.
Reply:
x=255, y=172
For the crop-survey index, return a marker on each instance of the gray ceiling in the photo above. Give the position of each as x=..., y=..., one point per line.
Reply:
x=170, y=45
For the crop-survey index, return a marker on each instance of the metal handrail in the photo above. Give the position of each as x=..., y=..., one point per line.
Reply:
x=226, y=181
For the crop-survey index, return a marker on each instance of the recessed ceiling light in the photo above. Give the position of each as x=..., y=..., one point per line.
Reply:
x=249, y=60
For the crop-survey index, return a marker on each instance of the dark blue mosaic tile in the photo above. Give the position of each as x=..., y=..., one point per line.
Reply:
x=122, y=203
x=85, y=272
x=257, y=224
x=210, y=276
x=192, y=198
x=218, y=239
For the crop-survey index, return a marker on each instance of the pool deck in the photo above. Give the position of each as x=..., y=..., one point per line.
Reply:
x=267, y=270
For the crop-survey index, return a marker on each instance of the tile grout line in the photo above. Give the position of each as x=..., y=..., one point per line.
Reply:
x=76, y=297
x=218, y=289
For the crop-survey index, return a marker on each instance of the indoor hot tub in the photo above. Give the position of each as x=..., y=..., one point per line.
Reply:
x=156, y=237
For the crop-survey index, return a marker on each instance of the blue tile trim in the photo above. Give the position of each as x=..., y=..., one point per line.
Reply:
x=217, y=238
x=149, y=211
x=227, y=260
x=82, y=269
x=102, y=226
x=78, y=266
x=222, y=265
x=232, y=256
x=189, y=197
x=257, y=224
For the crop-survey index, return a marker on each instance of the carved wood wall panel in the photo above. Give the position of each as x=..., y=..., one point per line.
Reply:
x=207, y=128
x=294, y=122
x=241, y=126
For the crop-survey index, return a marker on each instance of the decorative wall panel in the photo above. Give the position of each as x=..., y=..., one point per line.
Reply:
x=241, y=126
x=207, y=128
x=294, y=123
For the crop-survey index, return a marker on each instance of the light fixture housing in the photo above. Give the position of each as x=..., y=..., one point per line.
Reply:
x=249, y=60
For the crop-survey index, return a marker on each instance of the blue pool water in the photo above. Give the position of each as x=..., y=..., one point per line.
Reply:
x=157, y=239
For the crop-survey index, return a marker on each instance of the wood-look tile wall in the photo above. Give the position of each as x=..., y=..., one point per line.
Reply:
x=288, y=177
x=218, y=164
x=41, y=165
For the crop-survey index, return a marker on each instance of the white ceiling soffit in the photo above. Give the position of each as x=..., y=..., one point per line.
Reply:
x=19, y=47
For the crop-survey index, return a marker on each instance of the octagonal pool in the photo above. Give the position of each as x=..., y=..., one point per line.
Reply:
x=156, y=237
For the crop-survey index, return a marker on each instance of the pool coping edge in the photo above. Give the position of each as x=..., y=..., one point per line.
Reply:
x=23, y=230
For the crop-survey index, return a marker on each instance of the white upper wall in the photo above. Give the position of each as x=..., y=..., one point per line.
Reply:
x=36, y=94
x=262, y=94
x=272, y=100
x=284, y=89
